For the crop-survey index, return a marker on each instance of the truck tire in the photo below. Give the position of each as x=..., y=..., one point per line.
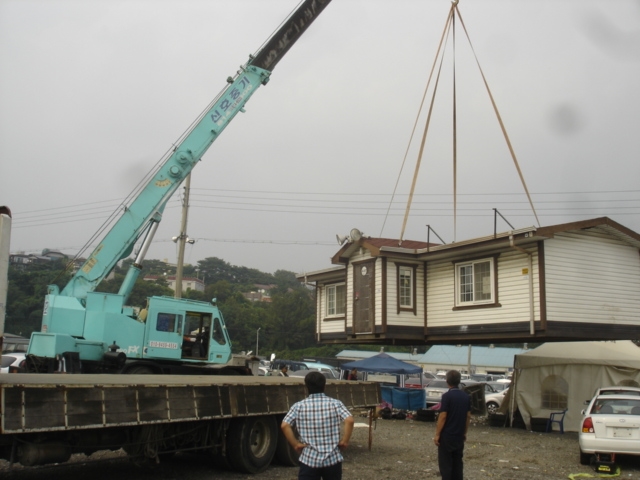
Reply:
x=285, y=454
x=251, y=443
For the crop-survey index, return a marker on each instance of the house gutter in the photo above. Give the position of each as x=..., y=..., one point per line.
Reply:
x=529, y=255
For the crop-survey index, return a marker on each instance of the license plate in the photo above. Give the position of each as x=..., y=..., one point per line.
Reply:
x=622, y=432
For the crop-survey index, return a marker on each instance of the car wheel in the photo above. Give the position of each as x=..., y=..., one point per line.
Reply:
x=492, y=408
x=585, y=458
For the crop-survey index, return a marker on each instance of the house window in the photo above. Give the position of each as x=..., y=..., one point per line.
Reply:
x=475, y=282
x=555, y=391
x=405, y=286
x=406, y=281
x=336, y=299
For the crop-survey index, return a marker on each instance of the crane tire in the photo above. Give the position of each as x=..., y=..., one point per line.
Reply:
x=251, y=443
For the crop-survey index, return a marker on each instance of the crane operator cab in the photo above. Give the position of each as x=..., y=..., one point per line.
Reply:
x=194, y=335
x=200, y=334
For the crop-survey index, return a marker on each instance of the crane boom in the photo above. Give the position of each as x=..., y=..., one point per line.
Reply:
x=147, y=208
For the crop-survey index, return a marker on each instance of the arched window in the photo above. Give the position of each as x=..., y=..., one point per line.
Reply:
x=555, y=391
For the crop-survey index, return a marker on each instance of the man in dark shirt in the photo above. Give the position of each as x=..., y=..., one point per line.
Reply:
x=451, y=430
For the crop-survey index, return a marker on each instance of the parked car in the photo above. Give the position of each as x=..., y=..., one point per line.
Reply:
x=9, y=360
x=493, y=401
x=323, y=367
x=610, y=425
x=329, y=374
x=412, y=380
x=436, y=388
x=499, y=386
x=294, y=366
x=14, y=343
x=486, y=377
x=614, y=390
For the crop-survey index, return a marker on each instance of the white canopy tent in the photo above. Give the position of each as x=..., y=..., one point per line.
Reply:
x=562, y=375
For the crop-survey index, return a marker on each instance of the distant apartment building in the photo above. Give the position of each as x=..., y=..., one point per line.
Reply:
x=260, y=294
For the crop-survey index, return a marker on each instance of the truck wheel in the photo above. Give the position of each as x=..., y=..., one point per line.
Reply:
x=251, y=443
x=492, y=408
x=285, y=454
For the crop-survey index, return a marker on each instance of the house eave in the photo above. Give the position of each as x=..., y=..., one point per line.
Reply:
x=326, y=274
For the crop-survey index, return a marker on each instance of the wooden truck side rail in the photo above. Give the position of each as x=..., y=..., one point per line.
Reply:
x=44, y=402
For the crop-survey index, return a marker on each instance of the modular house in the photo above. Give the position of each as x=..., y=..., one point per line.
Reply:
x=575, y=281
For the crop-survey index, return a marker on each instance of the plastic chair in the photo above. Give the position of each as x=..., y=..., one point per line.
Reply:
x=556, y=417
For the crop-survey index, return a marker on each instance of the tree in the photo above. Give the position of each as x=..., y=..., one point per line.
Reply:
x=292, y=319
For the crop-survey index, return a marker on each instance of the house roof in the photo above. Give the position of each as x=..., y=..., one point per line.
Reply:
x=418, y=250
x=332, y=273
x=377, y=245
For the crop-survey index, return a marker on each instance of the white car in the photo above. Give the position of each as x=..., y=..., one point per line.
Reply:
x=493, y=401
x=11, y=360
x=610, y=424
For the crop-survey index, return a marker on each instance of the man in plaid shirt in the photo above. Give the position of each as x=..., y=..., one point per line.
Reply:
x=317, y=419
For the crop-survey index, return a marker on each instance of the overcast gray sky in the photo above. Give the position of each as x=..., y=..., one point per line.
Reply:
x=93, y=92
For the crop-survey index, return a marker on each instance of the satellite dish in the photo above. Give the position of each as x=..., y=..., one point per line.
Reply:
x=355, y=234
x=341, y=239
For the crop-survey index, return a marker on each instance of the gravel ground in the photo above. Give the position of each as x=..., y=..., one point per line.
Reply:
x=402, y=449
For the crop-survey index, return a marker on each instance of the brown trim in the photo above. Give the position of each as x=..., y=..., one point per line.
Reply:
x=385, y=286
x=513, y=332
x=319, y=289
x=473, y=307
x=334, y=319
x=542, y=286
x=373, y=262
x=414, y=299
x=424, y=293
x=585, y=224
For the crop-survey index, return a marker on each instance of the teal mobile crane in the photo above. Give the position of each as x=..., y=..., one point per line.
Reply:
x=85, y=331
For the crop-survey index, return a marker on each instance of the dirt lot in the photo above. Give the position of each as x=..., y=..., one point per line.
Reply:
x=402, y=449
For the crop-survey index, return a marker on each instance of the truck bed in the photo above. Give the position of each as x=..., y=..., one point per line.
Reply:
x=49, y=402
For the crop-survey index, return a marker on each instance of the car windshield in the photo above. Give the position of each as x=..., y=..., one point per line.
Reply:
x=438, y=384
x=615, y=405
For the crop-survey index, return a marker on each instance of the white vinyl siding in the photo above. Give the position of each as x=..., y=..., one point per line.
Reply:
x=513, y=288
x=404, y=318
x=592, y=278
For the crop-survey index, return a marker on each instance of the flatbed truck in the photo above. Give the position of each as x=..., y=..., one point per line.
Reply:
x=45, y=418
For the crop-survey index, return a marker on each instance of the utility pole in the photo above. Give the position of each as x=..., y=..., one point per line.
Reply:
x=257, y=338
x=182, y=238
